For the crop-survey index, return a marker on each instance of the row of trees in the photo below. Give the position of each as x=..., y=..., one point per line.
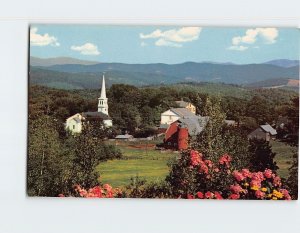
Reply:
x=138, y=110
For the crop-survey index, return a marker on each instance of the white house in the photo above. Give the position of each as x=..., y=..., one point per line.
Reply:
x=174, y=114
x=75, y=122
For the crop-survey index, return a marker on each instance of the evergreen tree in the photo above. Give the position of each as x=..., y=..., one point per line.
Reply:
x=262, y=156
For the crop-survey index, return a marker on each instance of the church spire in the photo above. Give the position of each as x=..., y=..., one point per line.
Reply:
x=103, y=90
x=102, y=100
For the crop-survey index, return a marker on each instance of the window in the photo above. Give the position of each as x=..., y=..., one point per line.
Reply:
x=170, y=117
x=73, y=126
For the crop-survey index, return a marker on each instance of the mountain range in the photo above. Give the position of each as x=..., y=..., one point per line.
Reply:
x=70, y=73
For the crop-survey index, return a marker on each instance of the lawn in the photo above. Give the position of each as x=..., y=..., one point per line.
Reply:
x=138, y=159
x=284, y=157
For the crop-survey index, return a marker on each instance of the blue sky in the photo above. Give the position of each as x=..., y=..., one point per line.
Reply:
x=164, y=44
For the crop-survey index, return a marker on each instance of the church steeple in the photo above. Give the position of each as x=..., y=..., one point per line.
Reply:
x=102, y=100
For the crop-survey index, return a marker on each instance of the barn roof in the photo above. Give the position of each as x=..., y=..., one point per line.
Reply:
x=268, y=128
x=194, y=125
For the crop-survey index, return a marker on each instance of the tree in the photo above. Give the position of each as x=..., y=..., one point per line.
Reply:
x=48, y=163
x=262, y=156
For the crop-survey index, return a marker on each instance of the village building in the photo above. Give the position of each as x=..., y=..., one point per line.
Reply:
x=124, y=137
x=74, y=124
x=174, y=114
x=187, y=105
x=263, y=132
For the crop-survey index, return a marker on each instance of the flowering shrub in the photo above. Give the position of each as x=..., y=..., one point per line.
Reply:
x=200, y=178
x=106, y=191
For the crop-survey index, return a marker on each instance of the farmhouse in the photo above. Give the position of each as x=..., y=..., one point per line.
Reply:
x=175, y=114
x=264, y=132
x=75, y=122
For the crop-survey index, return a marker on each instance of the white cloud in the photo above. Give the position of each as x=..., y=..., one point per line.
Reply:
x=268, y=36
x=163, y=42
x=173, y=37
x=42, y=40
x=86, y=49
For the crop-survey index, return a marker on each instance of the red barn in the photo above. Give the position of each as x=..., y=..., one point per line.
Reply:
x=179, y=132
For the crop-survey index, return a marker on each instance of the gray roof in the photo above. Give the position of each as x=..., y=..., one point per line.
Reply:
x=77, y=119
x=95, y=115
x=164, y=126
x=194, y=125
x=268, y=128
x=182, y=103
x=125, y=136
x=183, y=113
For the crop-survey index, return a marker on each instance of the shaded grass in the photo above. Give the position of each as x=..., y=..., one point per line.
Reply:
x=283, y=158
x=147, y=163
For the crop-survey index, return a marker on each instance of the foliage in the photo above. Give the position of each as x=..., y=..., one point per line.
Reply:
x=262, y=156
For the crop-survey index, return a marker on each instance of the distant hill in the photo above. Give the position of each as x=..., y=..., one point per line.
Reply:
x=188, y=71
x=283, y=83
x=36, y=61
x=283, y=63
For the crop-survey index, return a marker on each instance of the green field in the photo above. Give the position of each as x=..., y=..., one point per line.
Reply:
x=284, y=157
x=138, y=160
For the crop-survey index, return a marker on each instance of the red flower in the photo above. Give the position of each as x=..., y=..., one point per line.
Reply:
x=236, y=188
x=190, y=196
x=209, y=195
x=200, y=195
x=218, y=196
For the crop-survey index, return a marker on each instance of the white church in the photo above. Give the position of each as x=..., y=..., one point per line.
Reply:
x=74, y=123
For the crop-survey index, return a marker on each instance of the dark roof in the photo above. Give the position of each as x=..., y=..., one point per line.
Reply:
x=268, y=128
x=183, y=113
x=95, y=116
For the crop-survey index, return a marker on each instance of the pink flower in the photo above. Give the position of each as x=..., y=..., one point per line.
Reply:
x=238, y=176
x=200, y=195
x=61, y=195
x=234, y=196
x=225, y=160
x=216, y=169
x=285, y=194
x=259, y=194
x=236, y=188
x=209, y=195
x=268, y=173
x=277, y=181
x=218, y=196
x=107, y=187
x=246, y=173
x=196, y=158
x=208, y=163
x=255, y=183
x=203, y=168
x=258, y=176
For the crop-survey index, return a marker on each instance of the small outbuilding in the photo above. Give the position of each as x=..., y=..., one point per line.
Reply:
x=265, y=132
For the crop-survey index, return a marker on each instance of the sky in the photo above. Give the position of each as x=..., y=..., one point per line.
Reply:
x=164, y=44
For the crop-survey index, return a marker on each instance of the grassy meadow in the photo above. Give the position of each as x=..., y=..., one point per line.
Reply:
x=139, y=159
x=283, y=158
